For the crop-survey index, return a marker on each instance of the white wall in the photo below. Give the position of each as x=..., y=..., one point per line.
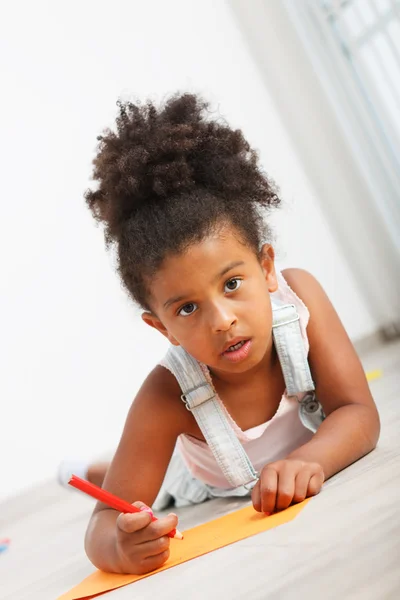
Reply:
x=73, y=350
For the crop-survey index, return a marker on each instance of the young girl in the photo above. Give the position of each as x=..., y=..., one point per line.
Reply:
x=259, y=360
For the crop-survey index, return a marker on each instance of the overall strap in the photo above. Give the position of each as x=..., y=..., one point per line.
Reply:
x=199, y=398
x=291, y=349
x=292, y=355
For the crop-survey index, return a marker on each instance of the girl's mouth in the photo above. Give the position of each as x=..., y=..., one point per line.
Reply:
x=238, y=351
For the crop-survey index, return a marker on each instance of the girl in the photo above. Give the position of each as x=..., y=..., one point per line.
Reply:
x=181, y=197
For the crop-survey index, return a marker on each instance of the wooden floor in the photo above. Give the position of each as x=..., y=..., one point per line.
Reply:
x=345, y=543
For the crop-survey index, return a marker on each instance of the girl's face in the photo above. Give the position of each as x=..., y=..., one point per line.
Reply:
x=213, y=299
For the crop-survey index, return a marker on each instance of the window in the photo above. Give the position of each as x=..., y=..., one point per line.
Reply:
x=354, y=46
x=368, y=34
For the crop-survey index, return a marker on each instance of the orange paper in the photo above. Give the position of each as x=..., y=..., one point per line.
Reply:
x=197, y=541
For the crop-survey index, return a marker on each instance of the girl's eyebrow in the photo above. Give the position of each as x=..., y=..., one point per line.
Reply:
x=232, y=265
x=225, y=270
x=173, y=300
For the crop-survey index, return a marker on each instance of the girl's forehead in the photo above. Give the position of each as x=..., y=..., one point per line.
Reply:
x=207, y=255
x=202, y=263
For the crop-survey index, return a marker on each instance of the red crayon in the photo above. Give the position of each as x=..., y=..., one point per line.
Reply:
x=112, y=501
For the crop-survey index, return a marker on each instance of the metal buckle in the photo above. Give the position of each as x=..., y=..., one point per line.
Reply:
x=184, y=399
x=297, y=318
x=275, y=325
x=310, y=403
x=250, y=484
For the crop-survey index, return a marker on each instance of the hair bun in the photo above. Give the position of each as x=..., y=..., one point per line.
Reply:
x=158, y=153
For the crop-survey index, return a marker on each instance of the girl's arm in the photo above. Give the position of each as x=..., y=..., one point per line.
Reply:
x=351, y=428
x=132, y=543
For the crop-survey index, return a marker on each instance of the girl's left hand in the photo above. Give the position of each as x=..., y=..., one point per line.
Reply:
x=286, y=482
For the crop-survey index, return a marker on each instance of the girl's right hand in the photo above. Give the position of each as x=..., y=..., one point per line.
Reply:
x=143, y=544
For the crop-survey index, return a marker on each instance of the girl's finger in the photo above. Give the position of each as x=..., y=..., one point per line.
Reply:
x=154, y=530
x=157, y=529
x=301, y=486
x=256, y=497
x=286, y=485
x=268, y=489
x=153, y=548
x=152, y=563
x=133, y=522
x=315, y=484
x=141, y=505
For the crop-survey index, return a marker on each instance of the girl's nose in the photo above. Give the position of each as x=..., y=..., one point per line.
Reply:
x=222, y=319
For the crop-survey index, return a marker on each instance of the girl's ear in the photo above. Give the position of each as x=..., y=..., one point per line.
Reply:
x=267, y=261
x=155, y=322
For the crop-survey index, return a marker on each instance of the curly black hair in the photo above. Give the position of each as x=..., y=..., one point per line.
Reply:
x=168, y=177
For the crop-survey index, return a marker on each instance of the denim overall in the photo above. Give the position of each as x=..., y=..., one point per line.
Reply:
x=199, y=398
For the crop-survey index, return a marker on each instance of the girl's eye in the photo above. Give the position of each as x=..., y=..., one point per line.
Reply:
x=187, y=310
x=232, y=285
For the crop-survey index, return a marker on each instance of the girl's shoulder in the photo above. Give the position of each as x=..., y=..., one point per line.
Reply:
x=321, y=317
x=305, y=288
x=160, y=398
